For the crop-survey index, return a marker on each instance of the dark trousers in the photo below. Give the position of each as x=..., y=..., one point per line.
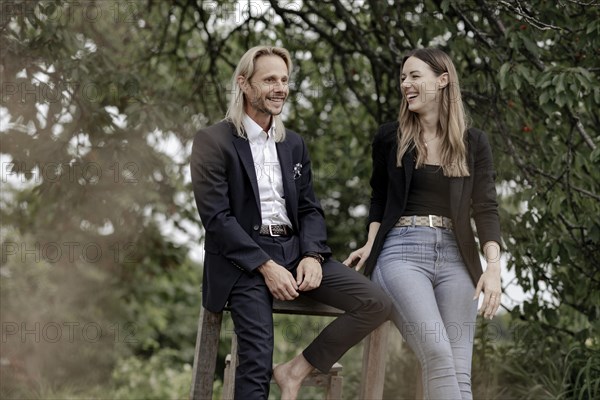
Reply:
x=365, y=305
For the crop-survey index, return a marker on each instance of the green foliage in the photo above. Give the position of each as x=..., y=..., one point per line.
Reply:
x=51, y=326
x=162, y=276
x=538, y=366
x=162, y=376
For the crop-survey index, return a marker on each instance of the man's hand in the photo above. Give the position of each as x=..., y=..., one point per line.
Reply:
x=309, y=274
x=279, y=280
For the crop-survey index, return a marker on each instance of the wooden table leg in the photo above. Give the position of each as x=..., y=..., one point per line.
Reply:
x=334, y=390
x=230, y=367
x=205, y=356
x=374, y=358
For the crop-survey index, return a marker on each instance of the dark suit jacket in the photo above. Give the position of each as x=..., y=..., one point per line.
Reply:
x=226, y=192
x=472, y=196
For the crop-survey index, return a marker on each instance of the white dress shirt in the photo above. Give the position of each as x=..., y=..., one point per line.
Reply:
x=268, y=173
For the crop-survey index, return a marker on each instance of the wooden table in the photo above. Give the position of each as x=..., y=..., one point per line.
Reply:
x=207, y=345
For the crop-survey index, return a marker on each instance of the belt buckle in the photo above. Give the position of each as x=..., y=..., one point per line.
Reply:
x=271, y=231
x=431, y=221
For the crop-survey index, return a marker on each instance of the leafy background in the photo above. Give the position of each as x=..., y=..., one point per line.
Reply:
x=100, y=271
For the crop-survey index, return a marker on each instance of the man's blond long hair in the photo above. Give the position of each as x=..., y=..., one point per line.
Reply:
x=245, y=68
x=452, y=123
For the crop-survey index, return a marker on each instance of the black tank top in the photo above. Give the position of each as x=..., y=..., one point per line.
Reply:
x=429, y=192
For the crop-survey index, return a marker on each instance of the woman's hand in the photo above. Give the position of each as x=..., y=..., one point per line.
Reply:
x=489, y=283
x=358, y=257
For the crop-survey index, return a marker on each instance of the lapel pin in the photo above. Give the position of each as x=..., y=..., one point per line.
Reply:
x=297, y=169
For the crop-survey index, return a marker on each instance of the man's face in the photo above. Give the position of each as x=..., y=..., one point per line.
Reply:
x=268, y=89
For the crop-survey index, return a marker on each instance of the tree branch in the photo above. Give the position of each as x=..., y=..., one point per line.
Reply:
x=522, y=12
x=580, y=128
x=472, y=27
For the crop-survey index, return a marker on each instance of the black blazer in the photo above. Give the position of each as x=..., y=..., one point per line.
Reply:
x=226, y=192
x=472, y=196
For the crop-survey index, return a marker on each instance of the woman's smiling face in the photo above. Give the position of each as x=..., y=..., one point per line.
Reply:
x=420, y=86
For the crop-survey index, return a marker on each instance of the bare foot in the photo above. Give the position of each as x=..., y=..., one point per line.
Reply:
x=289, y=389
x=289, y=376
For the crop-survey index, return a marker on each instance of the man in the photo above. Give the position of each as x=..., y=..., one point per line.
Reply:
x=265, y=232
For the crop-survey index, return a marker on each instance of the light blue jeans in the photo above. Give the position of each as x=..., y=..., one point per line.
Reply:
x=421, y=269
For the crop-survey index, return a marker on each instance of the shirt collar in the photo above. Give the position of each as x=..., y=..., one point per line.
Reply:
x=253, y=130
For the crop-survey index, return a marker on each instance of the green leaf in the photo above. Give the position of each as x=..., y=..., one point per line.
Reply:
x=554, y=248
x=556, y=203
x=531, y=46
x=595, y=155
x=544, y=97
x=587, y=74
x=551, y=316
x=516, y=78
x=559, y=81
x=502, y=75
x=445, y=6
x=525, y=73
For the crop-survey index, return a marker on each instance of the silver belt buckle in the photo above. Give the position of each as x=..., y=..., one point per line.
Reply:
x=271, y=231
x=431, y=221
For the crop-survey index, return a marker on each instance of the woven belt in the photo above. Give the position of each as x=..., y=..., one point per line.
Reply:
x=276, y=230
x=433, y=221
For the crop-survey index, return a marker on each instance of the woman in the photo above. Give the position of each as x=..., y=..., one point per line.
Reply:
x=430, y=175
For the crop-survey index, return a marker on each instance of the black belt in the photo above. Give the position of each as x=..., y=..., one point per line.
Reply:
x=276, y=230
